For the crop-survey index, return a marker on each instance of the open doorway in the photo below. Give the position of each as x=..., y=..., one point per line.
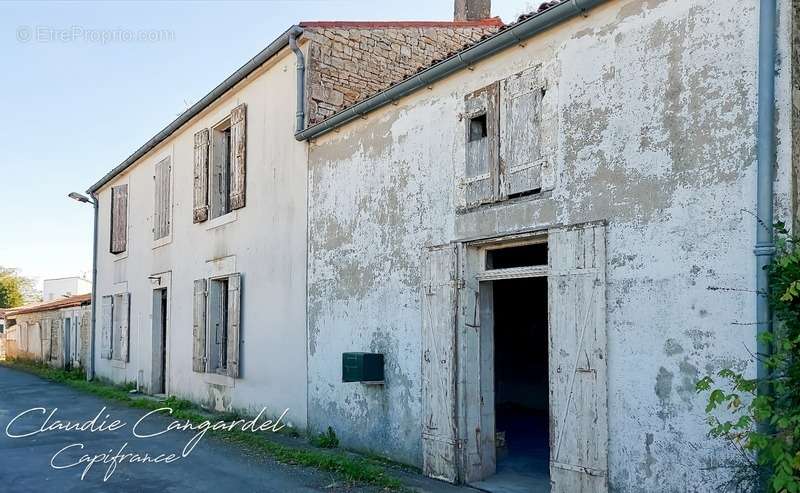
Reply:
x=521, y=384
x=514, y=319
x=159, y=383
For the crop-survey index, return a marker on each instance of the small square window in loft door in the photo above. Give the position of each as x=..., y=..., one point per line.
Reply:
x=479, y=184
x=477, y=128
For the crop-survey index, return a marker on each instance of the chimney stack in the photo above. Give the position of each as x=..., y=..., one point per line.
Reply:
x=472, y=10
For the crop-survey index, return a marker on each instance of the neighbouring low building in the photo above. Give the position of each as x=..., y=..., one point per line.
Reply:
x=55, y=332
x=501, y=253
x=65, y=286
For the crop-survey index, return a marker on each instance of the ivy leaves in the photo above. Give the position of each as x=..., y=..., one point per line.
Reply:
x=765, y=427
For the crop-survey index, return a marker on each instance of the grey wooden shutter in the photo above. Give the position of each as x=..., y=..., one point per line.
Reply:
x=521, y=133
x=480, y=181
x=119, y=218
x=55, y=339
x=200, y=202
x=122, y=314
x=238, y=156
x=439, y=299
x=578, y=386
x=199, y=330
x=45, y=339
x=234, y=323
x=161, y=208
x=105, y=329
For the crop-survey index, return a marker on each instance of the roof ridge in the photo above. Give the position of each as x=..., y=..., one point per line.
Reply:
x=488, y=22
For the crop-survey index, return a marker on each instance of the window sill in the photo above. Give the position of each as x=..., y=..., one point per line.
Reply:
x=217, y=379
x=496, y=204
x=120, y=256
x=162, y=241
x=222, y=220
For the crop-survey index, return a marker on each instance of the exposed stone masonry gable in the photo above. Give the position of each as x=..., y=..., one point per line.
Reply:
x=348, y=63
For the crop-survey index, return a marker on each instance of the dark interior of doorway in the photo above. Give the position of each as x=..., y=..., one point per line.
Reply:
x=162, y=313
x=521, y=382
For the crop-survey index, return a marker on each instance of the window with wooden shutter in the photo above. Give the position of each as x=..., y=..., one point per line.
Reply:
x=120, y=337
x=233, y=322
x=219, y=196
x=217, y=315
x=199, y=330
x=200, y=201
x=238, y=150
x=162, y=206
x=526, y=137
x=119, y=218
x=479, y=184
x=106, y=327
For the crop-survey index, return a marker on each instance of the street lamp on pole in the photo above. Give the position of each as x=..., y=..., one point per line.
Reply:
x=80, y=197
x=93, y=200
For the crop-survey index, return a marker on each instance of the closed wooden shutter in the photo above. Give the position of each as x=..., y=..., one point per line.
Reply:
x=201, y=144
x=238, y=156
x=55, y=339
x=521, y=133
x=199, y=329
x=105, y=329
x=161, y=208
x=45, y=339
x=480, y=181
x=578, y=386
x=122, y=315
x=119, y=218
x=234, y=323
x=439, y=298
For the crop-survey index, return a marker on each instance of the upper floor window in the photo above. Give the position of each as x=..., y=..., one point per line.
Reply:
x=119, y=218
x=509, y=139
x=162, y=199
x=219, y=167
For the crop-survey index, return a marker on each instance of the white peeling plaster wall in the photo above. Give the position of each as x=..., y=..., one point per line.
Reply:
x=656, y=123
x=265, y=243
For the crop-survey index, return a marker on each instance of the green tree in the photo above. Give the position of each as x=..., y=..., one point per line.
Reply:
x=15, y=289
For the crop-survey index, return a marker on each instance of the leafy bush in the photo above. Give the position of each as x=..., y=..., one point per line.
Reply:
x=770, y=452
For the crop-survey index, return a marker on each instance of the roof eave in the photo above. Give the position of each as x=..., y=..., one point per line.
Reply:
x=499, y=41
x=245, y=70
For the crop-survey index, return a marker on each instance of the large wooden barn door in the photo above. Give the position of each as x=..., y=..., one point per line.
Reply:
x=439, y=299
x=578, y=391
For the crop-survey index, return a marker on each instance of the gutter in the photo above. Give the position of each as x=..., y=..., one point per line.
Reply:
x=281, y=42
x=506, y=38
x=765, y=143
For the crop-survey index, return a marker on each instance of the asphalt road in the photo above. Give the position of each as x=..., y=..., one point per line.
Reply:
x=25, y=462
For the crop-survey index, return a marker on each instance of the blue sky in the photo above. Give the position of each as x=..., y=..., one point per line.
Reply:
x=77, y=106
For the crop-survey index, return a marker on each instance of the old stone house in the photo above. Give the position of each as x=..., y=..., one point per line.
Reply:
x=503, y=266
x=55, y=332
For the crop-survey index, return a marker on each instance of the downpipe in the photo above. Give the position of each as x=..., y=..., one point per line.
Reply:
x=300, y=115
x=765, y=246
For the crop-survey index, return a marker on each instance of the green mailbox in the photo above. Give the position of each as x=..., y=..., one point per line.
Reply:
x=362, y=367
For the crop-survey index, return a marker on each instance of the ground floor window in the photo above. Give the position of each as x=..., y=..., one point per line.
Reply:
x=217, y=314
